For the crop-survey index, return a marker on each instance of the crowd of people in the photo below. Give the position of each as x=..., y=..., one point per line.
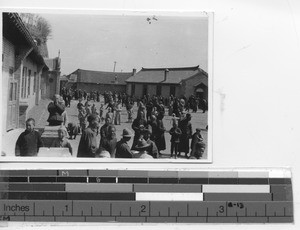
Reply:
x=99, y=141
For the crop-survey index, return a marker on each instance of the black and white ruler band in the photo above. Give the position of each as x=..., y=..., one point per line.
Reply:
x=141, y=196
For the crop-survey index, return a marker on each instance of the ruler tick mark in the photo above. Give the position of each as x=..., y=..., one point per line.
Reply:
x=187, y=210
x=265, y=209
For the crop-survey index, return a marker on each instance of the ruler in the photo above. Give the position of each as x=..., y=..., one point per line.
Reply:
x=141, y=196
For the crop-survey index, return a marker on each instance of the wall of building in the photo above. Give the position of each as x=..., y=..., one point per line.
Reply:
x=49, y=85
x=151, y=88
x=8, y=50
x=88, y=87
x=30, y=96
x=165, y=90
x=128, y=88
x=189, y=86
x=138, y=90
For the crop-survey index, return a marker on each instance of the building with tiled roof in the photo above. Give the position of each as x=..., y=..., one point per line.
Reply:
x=180, y=81
x=24, y=73
x=90, y=80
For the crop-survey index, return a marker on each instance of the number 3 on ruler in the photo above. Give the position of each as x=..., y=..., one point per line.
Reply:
x=221, y=209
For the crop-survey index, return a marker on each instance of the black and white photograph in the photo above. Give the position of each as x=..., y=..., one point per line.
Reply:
x=130, y=86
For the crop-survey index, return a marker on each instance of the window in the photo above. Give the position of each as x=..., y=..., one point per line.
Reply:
x=29, y=81
x=158, y=90
x=13, y=91
x=172, y=90
x=34, y=82
x=23, y=86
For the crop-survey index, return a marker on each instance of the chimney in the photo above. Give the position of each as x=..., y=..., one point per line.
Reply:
x=133, y=72
x=166, y=74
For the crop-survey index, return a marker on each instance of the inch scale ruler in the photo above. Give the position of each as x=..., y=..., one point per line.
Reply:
x=210, y=196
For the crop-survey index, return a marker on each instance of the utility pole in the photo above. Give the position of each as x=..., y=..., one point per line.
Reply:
x=115, y=65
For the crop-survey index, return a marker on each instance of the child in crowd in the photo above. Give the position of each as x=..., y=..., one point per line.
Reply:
x=62, y=141
x=80, y=104
x=174, y=119
x=129, y=108
x=73, y=130
x=29, y=141
x=175, y=138
x=110, y=115
x=82, y=117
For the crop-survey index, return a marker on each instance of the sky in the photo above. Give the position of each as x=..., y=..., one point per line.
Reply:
x=95, y=42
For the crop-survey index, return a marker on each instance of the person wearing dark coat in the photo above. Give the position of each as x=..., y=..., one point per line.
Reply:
x=88, y=144
x=29, y=141
x=55, y=110
x=104, y=129
x=152, y=126
x=186, y=129
x=110, y=142
x=123, y=149
x=160, y=134
x=175, y=133
x=151, y=149
x=197, y=141
x=138, y=125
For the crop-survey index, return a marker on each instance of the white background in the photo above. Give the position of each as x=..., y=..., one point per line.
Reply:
x=256, y=91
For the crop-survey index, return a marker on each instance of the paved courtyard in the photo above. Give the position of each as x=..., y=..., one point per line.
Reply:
x=40, y=114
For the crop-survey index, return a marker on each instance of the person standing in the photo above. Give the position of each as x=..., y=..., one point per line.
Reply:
x=118, y=110
x=160, y=134
x=82, y=115
x=110, y=115
x=55, y=110
x=138, y=125
x=123, y=149
x=104, y=129
x=62, y=141
x=197, y=144
x=110, y=142
x=152, y=149
x=88, y=144
x=186, y=129
x=175, y=133
x=29, y=141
